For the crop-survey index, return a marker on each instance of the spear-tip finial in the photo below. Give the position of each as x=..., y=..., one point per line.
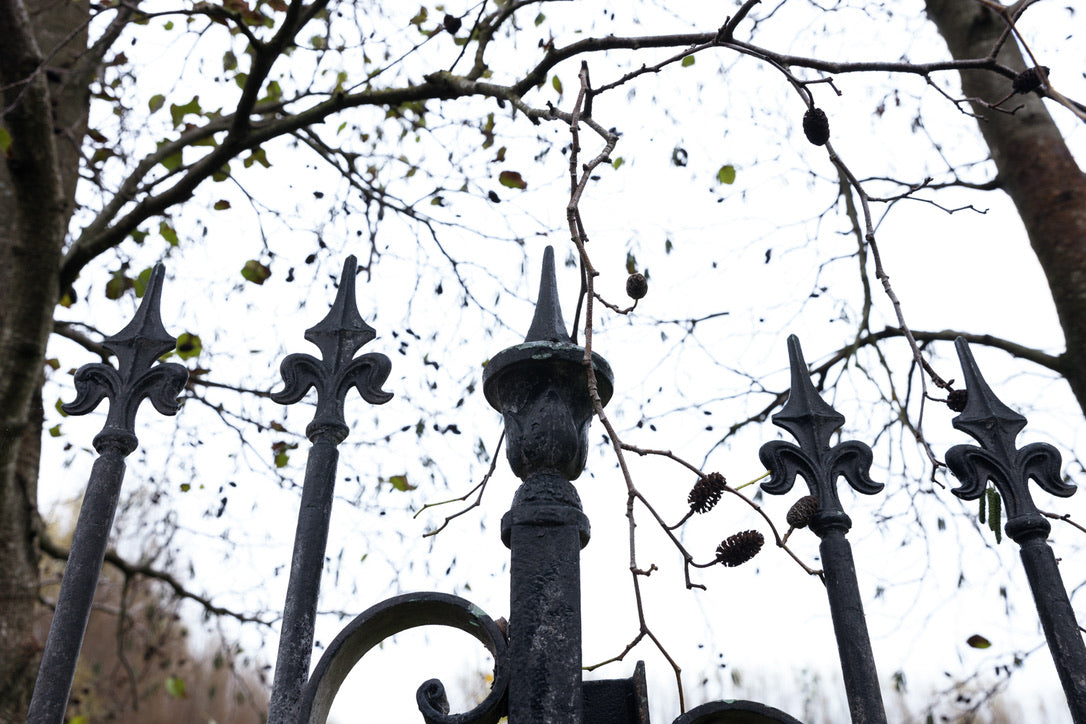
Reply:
x=547, y=324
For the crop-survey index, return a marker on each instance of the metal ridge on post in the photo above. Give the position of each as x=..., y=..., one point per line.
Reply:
x=999, y=459
x=541, y=388
x=812, y=421
x=138, y=376
x=338, y=336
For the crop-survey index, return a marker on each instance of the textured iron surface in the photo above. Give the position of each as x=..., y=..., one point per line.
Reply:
x=541, y=387
x=338, y=337
x=398, y=614
x=137, y=377
x=999, y=460
x=812, y=422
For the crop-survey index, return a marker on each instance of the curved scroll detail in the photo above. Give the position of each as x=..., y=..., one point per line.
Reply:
x=735, y=712
x=812, y=422
x=136, y=376
x=996, y=426
x=398, y=614
x=338, y=336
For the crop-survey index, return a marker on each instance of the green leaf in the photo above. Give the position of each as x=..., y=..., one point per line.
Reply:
x=5, y=141
x=512, y=179
x=54, y=431
x=172, y=162
x=117, y=285
x=274, y=92
x=178, y=113
x=255, y=272
x=229, y=61
x=156, y=102
x=420, y=17
x=186, y=487
x=188, y=345
x=79, y=719
x=617, y=163
x=978, y=642
x=221, y=205
x=168, y=233
x=222, y=174
x=257, y=156
x=688, y=61
x=399, y=482
x=281, y=450
x=557, y=84
x=539, y=19
x=631, y=263
x=994, y=519
x=175, y=687
x=140, y=282
x=668, y=246
x=726, y=174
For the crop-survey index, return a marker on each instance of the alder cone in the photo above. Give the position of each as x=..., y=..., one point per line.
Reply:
x=816, y=126
x=801, y=512
x=1029, y=79
x=956, y=400
x=739, y=548
x=637, y=286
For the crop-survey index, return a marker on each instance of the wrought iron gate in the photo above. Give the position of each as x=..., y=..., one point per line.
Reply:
x=544, y=391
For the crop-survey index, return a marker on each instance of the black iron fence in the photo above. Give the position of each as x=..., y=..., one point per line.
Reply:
x=543, y=390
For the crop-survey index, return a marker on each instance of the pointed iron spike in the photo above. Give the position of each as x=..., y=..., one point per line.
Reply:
x=144, y=339
x=982, y=406
x=342, y=331
x=806, y=415
x=547, y=324
x=801, y=374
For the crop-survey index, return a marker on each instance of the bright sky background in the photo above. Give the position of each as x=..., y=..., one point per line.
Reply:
x=761, y=631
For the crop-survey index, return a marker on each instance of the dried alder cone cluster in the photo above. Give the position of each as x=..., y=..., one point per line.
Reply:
x=816, y=126
x=801, y=512
x=637, y=286
x=706, y=493
x=737, y=549
x=956, y=400
x=1030, y=79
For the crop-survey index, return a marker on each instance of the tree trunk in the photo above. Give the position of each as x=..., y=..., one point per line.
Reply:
x=1034, y=167
x=45, y=117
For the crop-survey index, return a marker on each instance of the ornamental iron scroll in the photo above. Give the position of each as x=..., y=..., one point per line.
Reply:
x=338, y=336
x=391, y=617
x=813, y=422
x=999, y=460
x=138, y=376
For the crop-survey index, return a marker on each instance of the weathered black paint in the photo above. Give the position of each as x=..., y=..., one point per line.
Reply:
x=812, y=422
x=999, y=460
x=542, y=389
x=137, y=376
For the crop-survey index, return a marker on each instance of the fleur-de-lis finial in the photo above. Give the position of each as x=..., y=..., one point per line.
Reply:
x=812, y=422
x=338, y=336
x=996, y=426
x=137, y=346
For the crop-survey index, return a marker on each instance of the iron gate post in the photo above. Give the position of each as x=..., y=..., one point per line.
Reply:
x=812, y=422
x=338, y=336
x=136, y=377
x=541, y=389
x=998, y=459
